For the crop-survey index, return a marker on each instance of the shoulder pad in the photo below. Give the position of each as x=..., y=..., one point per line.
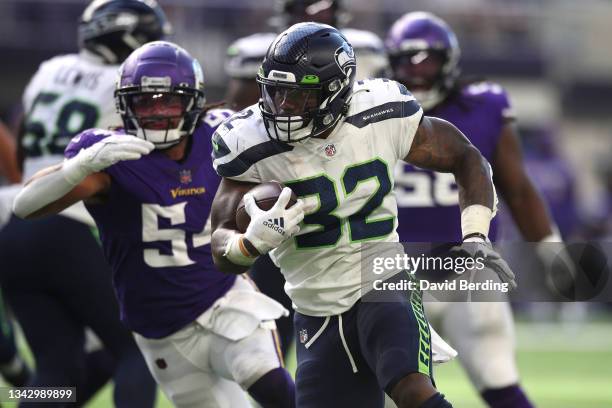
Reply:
x=240, y=142
x=375, y=100
x=379, y=90
x=494, y=95
x=214, y=117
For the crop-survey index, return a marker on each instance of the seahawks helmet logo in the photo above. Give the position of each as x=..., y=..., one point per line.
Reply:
x=345, y=57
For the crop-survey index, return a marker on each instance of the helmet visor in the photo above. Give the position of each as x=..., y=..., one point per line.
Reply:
x=158, y=111
x=289, y=101
x=418, y=70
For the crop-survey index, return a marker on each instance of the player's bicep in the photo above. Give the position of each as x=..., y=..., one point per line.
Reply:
x=437, y=145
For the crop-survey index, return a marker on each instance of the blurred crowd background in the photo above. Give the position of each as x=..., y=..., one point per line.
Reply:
x=553, y=56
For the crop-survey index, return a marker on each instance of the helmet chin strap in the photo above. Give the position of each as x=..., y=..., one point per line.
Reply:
x=162, y=139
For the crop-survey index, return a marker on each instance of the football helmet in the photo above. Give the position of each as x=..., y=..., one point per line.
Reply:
x=424, y=55
x=113, y=29
x=305, y=80
x=160, y=93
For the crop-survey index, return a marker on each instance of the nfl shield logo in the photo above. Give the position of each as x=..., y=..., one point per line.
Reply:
x=303, y=336
x=185, y=176
x=330, y=150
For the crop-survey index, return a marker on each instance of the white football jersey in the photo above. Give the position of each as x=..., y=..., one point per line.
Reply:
x=68, y=94
x=245, y=55
x=348, y=175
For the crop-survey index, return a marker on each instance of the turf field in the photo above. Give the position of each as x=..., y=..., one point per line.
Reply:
x=562, y=366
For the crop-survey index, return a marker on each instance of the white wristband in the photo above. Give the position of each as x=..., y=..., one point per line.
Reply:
x=475, y=219
x=555, y=235
x=236, y=252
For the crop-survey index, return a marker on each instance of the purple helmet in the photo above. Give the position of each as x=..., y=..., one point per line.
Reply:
x=160, y=94
x=424, y=55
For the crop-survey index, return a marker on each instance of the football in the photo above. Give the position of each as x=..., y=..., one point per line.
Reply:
x=265, y=195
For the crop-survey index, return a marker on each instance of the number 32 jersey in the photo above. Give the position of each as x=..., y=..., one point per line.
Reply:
x=349, y=178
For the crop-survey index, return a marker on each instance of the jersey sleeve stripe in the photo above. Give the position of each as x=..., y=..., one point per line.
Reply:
x=390, y=110
x=250, y=156
x=220, y=149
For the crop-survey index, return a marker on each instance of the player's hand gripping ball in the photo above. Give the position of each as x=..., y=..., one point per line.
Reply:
x=265, y=196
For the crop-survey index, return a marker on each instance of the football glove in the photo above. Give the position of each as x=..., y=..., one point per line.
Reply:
x=103, y=154
x=559, y=267
x=269, y=229
x=481, y=248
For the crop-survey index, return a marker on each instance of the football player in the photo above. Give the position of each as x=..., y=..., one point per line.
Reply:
x=333, y=141
x=244, y=56
x=13, y=368
x=424, y=55
x=204, y=334
x=54, y=272
x=243, y=60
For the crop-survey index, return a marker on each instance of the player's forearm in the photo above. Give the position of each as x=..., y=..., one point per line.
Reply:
x=39, y=195
x=473, y=176
x=221, y=238
x=529, y=212
x=477, y=198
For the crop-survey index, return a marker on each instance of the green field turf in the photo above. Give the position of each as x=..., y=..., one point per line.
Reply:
x=561, y=367
x=553, y=380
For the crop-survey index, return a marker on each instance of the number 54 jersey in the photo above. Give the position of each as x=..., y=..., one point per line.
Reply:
x=155, y=229
x=348, y=177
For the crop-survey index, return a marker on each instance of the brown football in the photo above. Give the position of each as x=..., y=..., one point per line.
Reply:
x=265, y=195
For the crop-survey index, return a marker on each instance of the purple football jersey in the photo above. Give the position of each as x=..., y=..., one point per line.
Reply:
x=428, y=202
x=155, y=231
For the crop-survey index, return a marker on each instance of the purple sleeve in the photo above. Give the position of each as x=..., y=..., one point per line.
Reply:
x=84, y=140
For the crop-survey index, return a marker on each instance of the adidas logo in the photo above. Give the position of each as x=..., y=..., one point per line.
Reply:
x=277, y=224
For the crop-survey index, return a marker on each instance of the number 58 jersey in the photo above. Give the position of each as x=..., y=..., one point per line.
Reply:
x=348, y=177
x=68, y=94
